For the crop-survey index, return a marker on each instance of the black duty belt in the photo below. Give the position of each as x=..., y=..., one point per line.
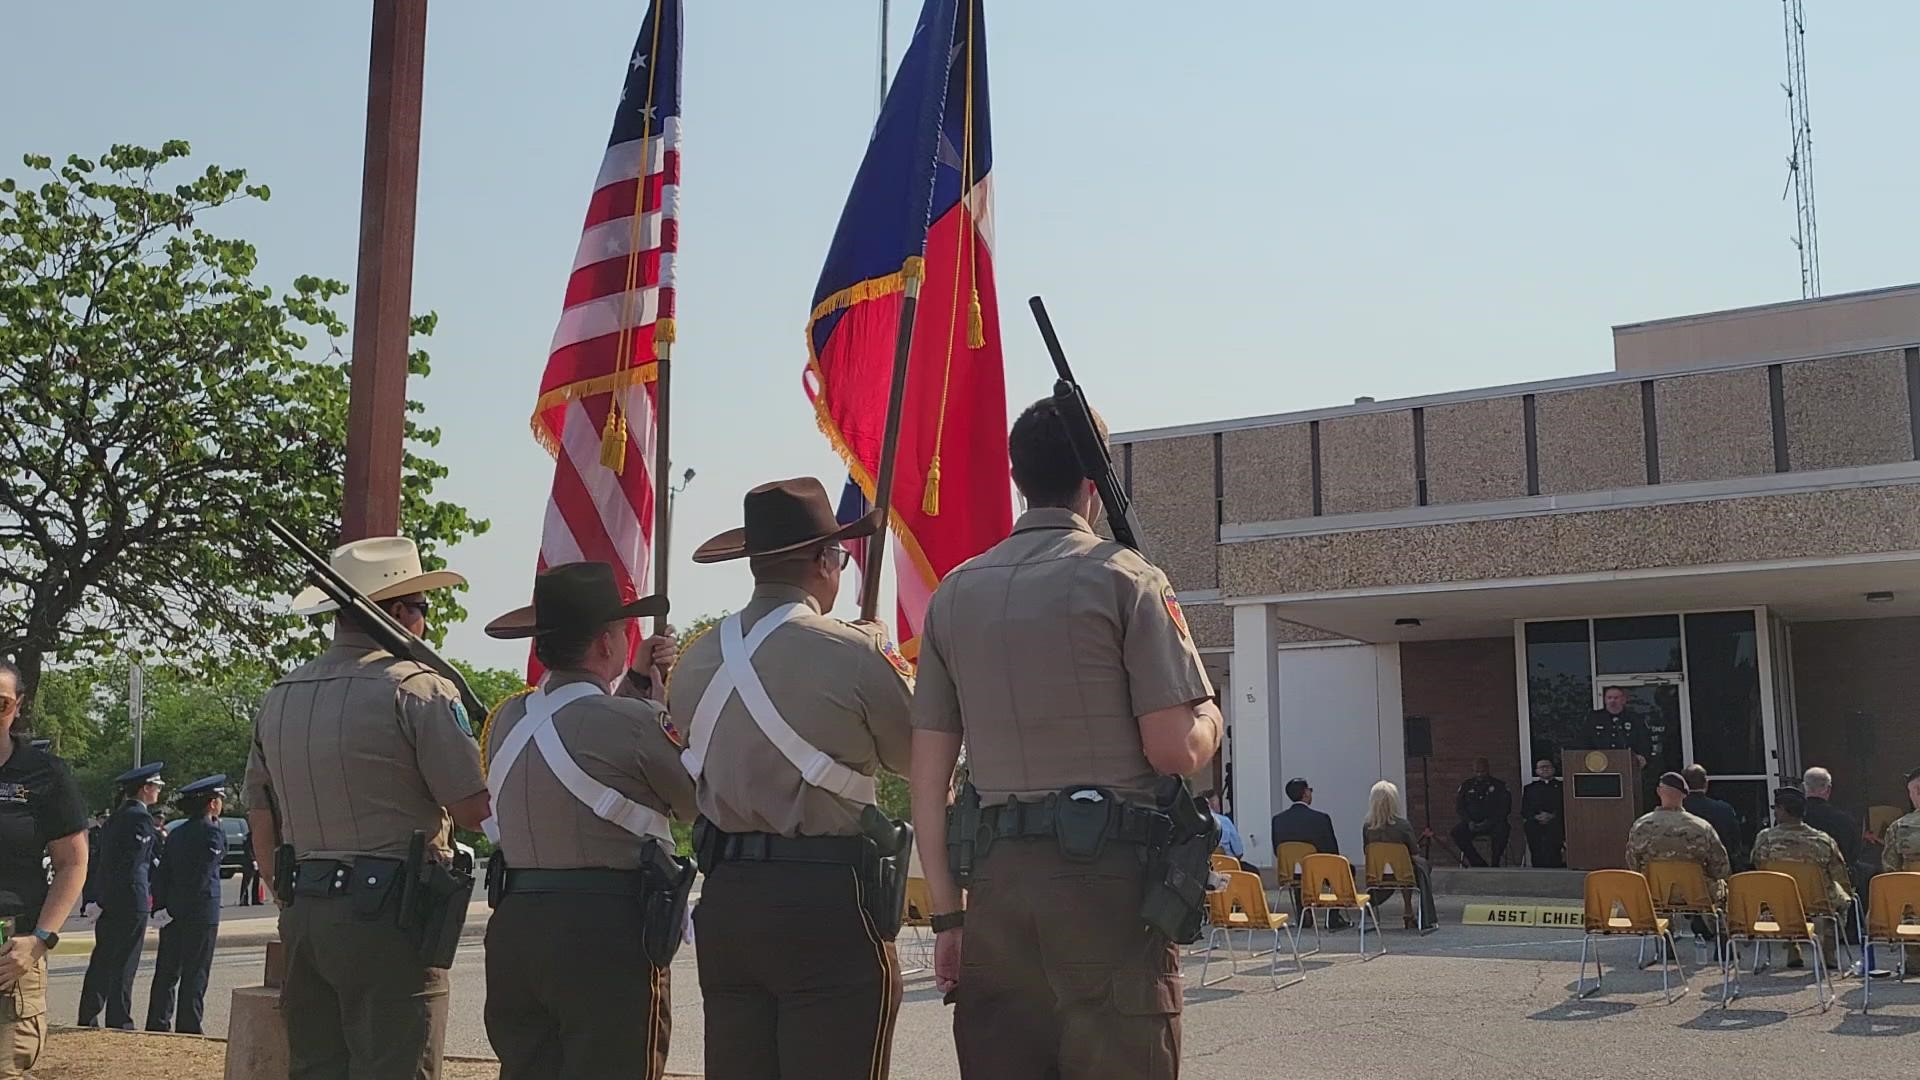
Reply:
x=339, y=877
x=767, y=847
x=1016, y=820
x=594, y=880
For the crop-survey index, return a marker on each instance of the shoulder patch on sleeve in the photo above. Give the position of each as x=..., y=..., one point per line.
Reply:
x=899, y=661
x=672, y=732
x=460, y=717
x=1173, y=611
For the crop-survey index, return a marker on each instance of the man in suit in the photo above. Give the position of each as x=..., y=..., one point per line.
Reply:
x=1717, y=813
x=1830, y=819
x=1300, y=823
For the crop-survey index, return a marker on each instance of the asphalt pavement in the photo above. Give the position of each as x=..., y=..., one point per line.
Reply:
x=1463, y=1002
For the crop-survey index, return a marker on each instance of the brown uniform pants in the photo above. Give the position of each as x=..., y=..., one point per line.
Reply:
x=797, y=984
x=23, y=1022
x=1058, y=977
x=358, y=1002
x=570, y=991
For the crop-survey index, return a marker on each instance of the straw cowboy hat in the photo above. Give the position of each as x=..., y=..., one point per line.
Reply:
x=382, y=567
x=573, y=596
x=784, y=516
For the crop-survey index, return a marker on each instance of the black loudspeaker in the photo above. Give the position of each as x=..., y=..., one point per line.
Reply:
x=1419, y=737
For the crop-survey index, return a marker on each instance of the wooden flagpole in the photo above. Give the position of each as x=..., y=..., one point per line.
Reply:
x=890, y=442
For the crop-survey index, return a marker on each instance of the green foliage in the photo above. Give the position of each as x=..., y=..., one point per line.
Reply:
x=894, y=798
x=160, y=405
x=492, y=685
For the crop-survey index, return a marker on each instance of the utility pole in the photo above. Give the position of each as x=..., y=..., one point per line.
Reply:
x=382, y=315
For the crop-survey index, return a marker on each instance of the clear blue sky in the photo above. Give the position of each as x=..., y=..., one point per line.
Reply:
x=1232, y=208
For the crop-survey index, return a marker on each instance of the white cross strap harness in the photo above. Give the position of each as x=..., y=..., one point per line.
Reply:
x=537, y=727
x=737, y=675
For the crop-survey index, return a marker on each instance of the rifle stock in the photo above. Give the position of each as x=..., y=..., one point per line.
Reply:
x=391, y=636
x=1091, y=450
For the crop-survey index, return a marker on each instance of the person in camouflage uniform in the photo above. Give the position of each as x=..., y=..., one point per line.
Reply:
x=1791, y=839
x=1671, y=833
x=1900, y=848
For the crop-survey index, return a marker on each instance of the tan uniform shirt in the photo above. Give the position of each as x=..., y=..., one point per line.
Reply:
x=1045, y=651
x=835, y=685
x=360, y=750
x=618, y=741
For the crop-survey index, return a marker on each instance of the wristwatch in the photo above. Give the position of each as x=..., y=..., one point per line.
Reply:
x=48, y=938
x=953, y=920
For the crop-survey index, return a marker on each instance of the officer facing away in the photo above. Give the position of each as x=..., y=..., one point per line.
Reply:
x=187, y=885
x=1063, y=662
x=589, y=900
x=353, y=754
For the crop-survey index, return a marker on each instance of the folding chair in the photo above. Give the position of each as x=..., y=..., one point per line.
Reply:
x=1879, y=817
x=1812, y=881
x=1619, y=903
x=1288, y=858
x=1893, y=918
x=1327, y=885
x=1242, y=905
x=920, y=917
x=1765, y=906
x=1680, y=889
x=1224, y=864
x=1390, y=866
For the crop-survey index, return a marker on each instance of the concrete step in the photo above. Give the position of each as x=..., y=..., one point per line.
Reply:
x=1509, y=881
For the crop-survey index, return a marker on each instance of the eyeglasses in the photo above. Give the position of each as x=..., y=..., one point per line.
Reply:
x=838, y=556
x=420, y=606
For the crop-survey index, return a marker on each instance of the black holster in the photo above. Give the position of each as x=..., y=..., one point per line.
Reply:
x=433, y=902
x=1178, y=863
x=496, y=878
x=889, y=855
x=284, y=869
x=967, y=842
x=666, y=886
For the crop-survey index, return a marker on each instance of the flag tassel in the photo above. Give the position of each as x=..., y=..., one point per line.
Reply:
x=930, y=498
x=613, y=440
x=976, y=323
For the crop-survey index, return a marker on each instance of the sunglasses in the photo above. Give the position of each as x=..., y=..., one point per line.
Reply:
x=421, y=606
x=838, y=556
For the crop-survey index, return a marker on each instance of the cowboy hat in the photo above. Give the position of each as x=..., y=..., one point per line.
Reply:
x=382, y=567
x=580, y=595
x=784, y=516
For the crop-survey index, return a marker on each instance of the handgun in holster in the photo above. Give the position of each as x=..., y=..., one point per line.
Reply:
x=496, y=878
x=963, y=834
x=433, y=902
x=708, y=841
x=889, y=856
x=666, y=885
x=1178, y=863
x=284, y=870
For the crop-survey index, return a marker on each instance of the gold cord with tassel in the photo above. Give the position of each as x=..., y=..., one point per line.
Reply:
x=930, y=498
x=613, y=438
x=976, y=322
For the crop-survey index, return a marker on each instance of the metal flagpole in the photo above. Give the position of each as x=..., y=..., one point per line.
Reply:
x=137, y=705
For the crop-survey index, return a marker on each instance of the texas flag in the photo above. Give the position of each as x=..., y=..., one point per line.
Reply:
x=921, y=212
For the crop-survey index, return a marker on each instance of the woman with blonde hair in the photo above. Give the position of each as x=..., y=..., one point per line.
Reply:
x=1387, y=824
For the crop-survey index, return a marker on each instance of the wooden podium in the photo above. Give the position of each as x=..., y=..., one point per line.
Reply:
x=1602, y=801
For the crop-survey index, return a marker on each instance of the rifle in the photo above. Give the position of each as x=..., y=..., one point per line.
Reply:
x=1091, y=450
x=390, y=635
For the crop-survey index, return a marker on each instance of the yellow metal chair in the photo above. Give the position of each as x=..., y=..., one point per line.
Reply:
x=1879, y=817
x=1288, y=858
x=1680, y=889
x=1224, y=864
x=1390, y=866
x=1764, y=906
x=1812, y=881
x=1326, y=885
x=919, y=916
x=1242, y=905
x=1893, y=918
x=1619, y=903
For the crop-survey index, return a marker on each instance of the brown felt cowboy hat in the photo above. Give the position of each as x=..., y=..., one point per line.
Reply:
x=573, y=596
x=786, y=515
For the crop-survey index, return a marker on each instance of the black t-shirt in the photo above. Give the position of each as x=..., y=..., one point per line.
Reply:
x=39, y=803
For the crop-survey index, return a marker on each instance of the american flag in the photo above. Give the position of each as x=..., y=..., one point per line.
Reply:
x=596, y=412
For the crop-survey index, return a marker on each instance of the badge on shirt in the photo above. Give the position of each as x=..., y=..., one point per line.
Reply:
x=13, y=793
x=460, y=717
x=1173, y=610
x=900, y=663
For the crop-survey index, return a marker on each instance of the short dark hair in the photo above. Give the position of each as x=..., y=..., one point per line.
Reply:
x=565, y=649
x=19, y=683
x=1296, y=788
x=1696, y=776
x=1912, y=775
x=1045, y=468
x=1537, y=762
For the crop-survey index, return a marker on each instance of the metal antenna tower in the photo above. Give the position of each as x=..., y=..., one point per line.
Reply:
x=1800, y=162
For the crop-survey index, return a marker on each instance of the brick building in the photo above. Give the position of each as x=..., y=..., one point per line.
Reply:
x=1727, y=525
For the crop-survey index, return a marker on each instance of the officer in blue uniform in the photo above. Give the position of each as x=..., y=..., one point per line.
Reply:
x=188, y=886
x=126, y=900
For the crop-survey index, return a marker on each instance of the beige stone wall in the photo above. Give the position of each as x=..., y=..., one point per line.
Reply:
x=1590, y=439
x=1714, y=427
x=1268, y=473
x=1173, y=499
x=1366, y=462
x=1476, y=451
x=1797, y=525
x=1847, y=411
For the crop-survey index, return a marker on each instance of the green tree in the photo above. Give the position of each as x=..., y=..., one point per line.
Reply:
x=160, y=405
x=491, y=684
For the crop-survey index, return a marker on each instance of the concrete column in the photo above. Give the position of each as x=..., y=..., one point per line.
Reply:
x=1255, y=691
